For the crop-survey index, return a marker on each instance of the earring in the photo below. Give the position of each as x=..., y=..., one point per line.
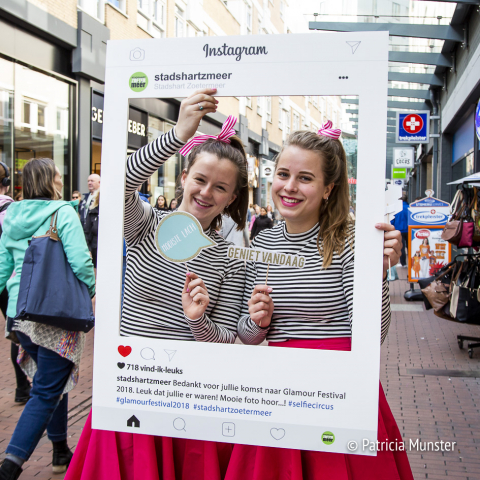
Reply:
x=326, y=200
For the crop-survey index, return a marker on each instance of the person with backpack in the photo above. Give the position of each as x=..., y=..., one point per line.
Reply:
x=50, y=355
x=22, y=392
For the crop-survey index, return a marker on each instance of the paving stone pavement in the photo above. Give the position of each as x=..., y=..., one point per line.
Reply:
x=427, y=407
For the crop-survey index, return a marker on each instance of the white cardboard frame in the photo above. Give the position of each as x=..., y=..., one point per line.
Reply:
x=306, y=64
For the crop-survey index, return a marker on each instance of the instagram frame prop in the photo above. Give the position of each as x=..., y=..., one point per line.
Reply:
x=279, y=397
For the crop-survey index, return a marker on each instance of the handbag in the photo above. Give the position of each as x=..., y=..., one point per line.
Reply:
x=49, y=291
x=442, y=274
x=437, y=293
x=464, y=304
x=452, y=231
x=476, y=218
x=466, y=238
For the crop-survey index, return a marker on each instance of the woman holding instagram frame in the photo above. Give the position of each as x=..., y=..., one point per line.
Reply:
x=202, y=303
x=310, y=190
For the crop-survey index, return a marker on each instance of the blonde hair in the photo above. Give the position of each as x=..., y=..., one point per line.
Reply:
x=95, y=200
x=333, y=215
x=39, y=179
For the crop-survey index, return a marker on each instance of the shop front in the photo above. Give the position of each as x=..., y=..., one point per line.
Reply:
x=143, y=127
x=35, y=120
x=463, y=156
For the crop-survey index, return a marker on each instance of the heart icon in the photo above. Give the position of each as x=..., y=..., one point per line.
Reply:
x=124, y=351
x=277, y=433
x=120, y=365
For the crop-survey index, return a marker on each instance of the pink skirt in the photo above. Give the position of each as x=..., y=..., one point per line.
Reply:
x=102, y=455
x=108, y=455
x=268, y=463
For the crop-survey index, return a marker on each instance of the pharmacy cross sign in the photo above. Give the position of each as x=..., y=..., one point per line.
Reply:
x=413, y=123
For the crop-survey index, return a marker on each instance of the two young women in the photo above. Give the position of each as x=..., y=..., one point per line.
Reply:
x=214, y=297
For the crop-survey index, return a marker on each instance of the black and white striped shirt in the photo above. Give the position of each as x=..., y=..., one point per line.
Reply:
x=310, y=302
x=153, y=286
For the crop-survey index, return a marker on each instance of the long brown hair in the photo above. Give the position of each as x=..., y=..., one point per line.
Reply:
x=39, y=179
x=234, y=152
x=333, y=216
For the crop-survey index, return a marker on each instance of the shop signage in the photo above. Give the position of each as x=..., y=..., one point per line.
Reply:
x=268, y=169
x=137, y=123
x=399, y=181
x=399, y=173
x=427, y=251
x=404, y=157
x=413, y=127
x=97, y=115
x=247, y=394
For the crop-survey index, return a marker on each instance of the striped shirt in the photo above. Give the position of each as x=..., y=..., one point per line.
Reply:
x=152, y=304
x=310, y=302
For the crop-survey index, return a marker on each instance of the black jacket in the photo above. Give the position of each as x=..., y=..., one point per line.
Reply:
x=261, y=223
x=91, y=228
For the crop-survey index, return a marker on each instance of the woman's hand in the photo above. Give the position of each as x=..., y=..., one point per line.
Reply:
x=195, y=297
x=260, y=306
x=392, y=245
x=190, y=113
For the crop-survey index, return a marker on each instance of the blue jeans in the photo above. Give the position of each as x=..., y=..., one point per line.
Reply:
x=46, y=408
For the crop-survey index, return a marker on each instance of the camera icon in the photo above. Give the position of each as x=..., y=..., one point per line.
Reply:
x=137, y=54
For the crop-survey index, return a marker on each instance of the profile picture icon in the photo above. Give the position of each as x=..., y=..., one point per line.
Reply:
x=137, y=54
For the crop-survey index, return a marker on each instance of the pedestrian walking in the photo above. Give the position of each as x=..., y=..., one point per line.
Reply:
x=50, y=355
x=261, y=222
x=400, y=222
x=161, y=203
x=270, y=214
x=22, y=390
x=230, y=231
x=93, y=185
x=76, y=195
x=310, y=188
x=91, y=227
x=173, y=204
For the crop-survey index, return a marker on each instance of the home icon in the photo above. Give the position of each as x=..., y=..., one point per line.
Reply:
x=133, y=421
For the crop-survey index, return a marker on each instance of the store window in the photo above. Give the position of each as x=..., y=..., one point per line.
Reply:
x=34, y=121
x=6, y=112
x=163, y=182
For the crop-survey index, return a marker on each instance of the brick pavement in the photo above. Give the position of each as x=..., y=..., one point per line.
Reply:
x=426, y=407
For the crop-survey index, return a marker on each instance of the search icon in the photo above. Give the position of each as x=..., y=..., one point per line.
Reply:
x=147, y=353
x=179, y=424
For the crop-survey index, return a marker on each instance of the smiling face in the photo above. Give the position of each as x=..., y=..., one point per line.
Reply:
x=298, y=188
x=208, y=187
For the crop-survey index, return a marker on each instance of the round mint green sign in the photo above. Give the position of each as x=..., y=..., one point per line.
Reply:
x=138, y=82
x=180, y=238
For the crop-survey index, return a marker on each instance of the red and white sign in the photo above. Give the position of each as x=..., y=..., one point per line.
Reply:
x=413, y=123
x=422, y=233
x=352, y=181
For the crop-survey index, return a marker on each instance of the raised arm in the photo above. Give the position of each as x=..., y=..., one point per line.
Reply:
x=141, y=165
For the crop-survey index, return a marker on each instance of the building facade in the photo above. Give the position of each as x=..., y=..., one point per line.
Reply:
x=52, y=62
